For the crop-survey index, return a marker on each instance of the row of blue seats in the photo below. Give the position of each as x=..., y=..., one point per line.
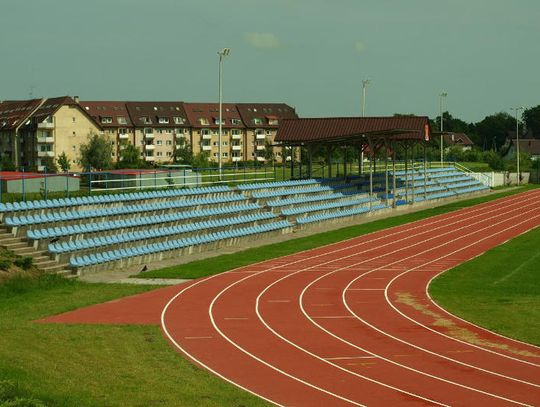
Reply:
x=68, y=230
x=453, y=179
x=305, y=199
x=471, y=189
x=428, y=170
x=82, y=244
x=119, y=254
x=276, y=184
x=291, y=191
x=321, y=207
x=25, y=220
x=101, y=199
x=463, y=184
x=340, y=214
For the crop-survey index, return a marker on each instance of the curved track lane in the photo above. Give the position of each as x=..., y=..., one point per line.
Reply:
x=352, y=324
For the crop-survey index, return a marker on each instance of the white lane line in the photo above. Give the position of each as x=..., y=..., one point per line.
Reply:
x=339, y=338
x=334, y=317
x=197, y=337
x=350, y=357
x=536, y=348
x=366, y=289
x=334, y=248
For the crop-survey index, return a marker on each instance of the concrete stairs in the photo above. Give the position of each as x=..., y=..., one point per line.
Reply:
x=40, y=258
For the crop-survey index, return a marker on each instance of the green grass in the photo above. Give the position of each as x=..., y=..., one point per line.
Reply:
x=476, y=166
x=95, y=365
x=218, y=264
x=499, y=290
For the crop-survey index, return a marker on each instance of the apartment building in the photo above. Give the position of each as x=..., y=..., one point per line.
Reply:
x=36, y=129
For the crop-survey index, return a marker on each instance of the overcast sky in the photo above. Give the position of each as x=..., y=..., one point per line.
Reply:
x=311, y=54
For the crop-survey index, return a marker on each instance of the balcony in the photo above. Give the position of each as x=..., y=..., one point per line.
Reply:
x=237, y=159
x=236, y=137
x=149, y=147
x=150, y=158
x=260, y=158
x=45, y=125
x=260, y=136
x=237, y=148
x=148, y=135
x=259, y=148
x=207, y=137
x=45, y=140
x=206, y=148
x=123, y=136
x=45, y=153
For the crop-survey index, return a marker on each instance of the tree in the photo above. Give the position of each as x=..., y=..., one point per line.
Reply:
x=494, y=160
x=49, y=164
x=201, y=160
x=7, y=164
x=130, y=157
x=183, y=153
x=64, y=162
x=531, y=117
x=268, y=151
x=493, y=130
x=96, y=154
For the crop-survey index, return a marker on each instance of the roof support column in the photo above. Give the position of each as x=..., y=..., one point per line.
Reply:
x=292, y=162
x=386, y=171
x=413, y=173
x=406, y=173
x=310, y=157
x=371, y=156
x=344, y=162
x=329, y=160
x=393, y=174
x=425, y=171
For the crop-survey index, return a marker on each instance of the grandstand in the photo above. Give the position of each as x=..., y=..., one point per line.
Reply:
x=99, y=232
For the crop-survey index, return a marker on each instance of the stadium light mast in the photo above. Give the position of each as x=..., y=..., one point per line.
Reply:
x=517, y=109
x=365, y=82
x=223, y=53
x=441, y=96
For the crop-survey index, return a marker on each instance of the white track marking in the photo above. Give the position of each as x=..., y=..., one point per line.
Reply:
x=472, y=324
x=258, y=359
x=443, y=334
x=371, y=353
x=198, y=361
x=403, y=228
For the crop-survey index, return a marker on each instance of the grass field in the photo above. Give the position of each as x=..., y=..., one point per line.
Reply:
x=91, y=365
x=499, y=290
x=225, y=262
x=86, y=365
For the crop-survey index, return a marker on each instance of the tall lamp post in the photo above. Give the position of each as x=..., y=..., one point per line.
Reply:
x=223, y=53
x=441, y=96
x=365, y=82
x=517, y=109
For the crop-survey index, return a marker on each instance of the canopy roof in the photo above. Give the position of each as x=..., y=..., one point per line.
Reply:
x=352, y=129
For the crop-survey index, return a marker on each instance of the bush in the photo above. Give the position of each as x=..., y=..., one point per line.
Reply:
x=494, y=160
x=24, y=262
x=4, y=264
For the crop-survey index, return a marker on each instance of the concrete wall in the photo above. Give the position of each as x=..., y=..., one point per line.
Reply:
x=31, y=185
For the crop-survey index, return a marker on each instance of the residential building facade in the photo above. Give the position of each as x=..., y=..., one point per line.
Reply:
x=37, y=130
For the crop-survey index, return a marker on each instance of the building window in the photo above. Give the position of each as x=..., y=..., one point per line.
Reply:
x=146, y=120
x=203, y=121
x=225, y=154
x=225, y=143
x=104, y=120
x=235, y=122
x=163, y=120
x=169, y=154
x=179, y=120
x=257, y=121
x=216, y=120
x=73, y=119
x=123, y=131
x=121, y=120
x=205, y=132
x=235, y=132
x=159, y=154
x=159, y=142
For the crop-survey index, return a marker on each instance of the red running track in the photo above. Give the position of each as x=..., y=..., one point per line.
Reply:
x=352, y=324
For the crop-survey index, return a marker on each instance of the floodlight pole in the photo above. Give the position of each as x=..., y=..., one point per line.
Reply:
x=224, y=52
x=441, y=96
x=517, y=109
x=365, y=82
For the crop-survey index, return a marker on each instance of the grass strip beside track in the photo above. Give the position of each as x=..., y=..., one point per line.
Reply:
x=499, y=290
x=219, y=264
x=96, y=365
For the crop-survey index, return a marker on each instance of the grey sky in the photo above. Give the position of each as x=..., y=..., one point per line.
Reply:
x=312, y=54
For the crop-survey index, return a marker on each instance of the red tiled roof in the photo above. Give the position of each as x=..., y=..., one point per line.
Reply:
x=265, y=112
x=157, y=114
x=105, y=109
x=13, y=113
x=335, y=128
x=531, y=145
x=457, y=139
x=198, y=112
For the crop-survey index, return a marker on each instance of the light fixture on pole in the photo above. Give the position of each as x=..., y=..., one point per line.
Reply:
x=517, y=109
x=441, y=96
x=223, y=53
x=365, y=82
